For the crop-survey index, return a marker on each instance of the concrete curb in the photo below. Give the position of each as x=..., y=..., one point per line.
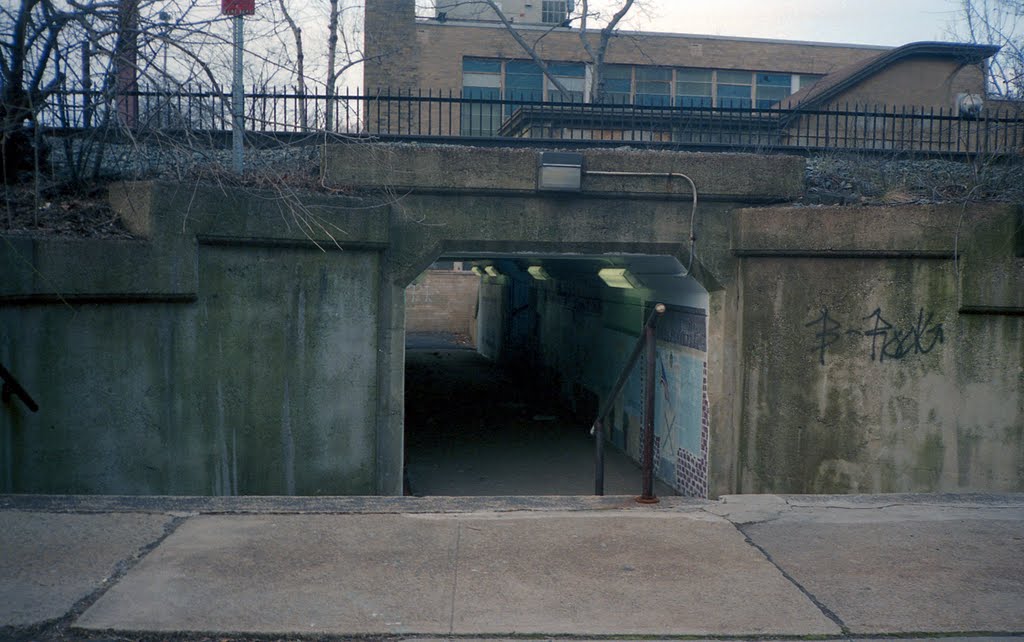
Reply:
x=333, y=505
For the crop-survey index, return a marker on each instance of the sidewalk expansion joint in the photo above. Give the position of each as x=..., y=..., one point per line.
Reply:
x=827, y=612
x=455, y=577
x=58, y=629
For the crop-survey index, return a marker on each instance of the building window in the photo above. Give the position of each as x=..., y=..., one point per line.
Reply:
x=572, y=76
x=554, y=12
x=803, y=81
x=517, y=81
x=734, y=89
x=481, y=80
x=694, y=87
x=771, y=88
x=653, y=86
x=618, y=84
x=523, y=81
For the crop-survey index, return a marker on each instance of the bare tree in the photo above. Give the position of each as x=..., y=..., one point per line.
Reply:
x=997, y=22
x=81, y=65
x=332, y=62
x=25, y=55
x=300, y=64
x=528, y=48
x=596, y=52
x=314, y=43
x=342, y=51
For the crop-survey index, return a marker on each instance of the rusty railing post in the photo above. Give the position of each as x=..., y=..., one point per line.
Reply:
x=648, y=341
x=647, y=492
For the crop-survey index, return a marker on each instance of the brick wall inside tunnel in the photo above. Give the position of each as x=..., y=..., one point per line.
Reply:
x=442, y=301
x=577, y=338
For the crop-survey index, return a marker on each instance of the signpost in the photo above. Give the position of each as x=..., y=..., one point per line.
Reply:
x=238, y=9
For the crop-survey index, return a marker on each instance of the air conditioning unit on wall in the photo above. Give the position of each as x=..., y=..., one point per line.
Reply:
x=969, y=105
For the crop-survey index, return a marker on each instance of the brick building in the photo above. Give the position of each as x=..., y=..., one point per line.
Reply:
x=464, y=50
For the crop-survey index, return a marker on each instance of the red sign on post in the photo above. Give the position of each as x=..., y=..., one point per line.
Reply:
x=237, y=7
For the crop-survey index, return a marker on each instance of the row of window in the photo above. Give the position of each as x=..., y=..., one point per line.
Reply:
x=629, y=84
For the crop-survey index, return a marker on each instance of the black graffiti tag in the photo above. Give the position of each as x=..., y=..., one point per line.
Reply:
x=887, y=340
x=828, y=334
x=920, y=338
x=881, y=328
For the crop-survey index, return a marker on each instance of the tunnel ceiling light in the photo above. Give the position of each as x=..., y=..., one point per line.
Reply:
x=560, y=172
x=538, y=272
x=618, y=278
x=492, y=271
x=476, y=270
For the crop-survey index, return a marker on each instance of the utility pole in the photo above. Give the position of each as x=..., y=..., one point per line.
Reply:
x=165, y=22
x=237, y=97
x=238, y=9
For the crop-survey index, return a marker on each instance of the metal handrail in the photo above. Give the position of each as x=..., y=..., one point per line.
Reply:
x=12, y=387
x=645, y=343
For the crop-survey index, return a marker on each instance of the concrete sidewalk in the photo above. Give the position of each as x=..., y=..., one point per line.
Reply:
x=747, y=567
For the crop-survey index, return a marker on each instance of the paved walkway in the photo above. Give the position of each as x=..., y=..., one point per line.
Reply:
x=745, y=567
x=473, y=428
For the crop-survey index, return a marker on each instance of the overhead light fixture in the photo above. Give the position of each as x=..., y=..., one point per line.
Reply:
x=560, y=172
x=538, y=272
x=476, y=270
x=492, y=271
x=619, y=278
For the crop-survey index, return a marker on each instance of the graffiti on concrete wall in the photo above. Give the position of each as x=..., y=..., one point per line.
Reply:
x=888, y=341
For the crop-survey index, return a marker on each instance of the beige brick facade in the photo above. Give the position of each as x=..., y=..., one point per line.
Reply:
x=920, y=82
x=409, y=54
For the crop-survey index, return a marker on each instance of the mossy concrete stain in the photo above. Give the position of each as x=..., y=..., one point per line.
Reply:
x=898, y=429
x=929, y=463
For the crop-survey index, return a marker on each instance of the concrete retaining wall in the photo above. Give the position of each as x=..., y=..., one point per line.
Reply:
x=192, y=363
x=876, y=360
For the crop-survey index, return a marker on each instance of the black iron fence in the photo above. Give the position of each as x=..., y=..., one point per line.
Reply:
x=427, y=114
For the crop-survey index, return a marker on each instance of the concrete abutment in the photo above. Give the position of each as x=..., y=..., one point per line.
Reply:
x=231, y=350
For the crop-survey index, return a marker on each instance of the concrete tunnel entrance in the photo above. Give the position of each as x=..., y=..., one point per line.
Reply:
x=509, y=356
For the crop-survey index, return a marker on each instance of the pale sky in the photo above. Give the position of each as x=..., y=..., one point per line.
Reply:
x=874, y=22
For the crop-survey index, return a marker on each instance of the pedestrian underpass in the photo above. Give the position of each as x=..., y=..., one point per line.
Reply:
x=221, y=352
x=501, y=401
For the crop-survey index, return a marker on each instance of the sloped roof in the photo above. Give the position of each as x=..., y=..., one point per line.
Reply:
x=839, y=81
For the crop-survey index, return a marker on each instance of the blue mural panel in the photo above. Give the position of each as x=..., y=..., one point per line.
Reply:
x=678, y=400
